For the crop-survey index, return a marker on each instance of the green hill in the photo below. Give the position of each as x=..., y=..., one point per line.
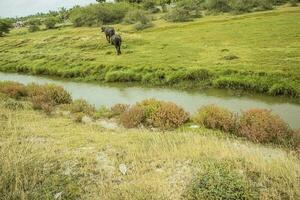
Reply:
x=256, y=52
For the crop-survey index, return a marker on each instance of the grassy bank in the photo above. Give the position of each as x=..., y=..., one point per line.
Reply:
x=255, y=52
x=51, y=157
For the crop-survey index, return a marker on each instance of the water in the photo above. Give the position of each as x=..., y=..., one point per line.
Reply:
x=108, y=95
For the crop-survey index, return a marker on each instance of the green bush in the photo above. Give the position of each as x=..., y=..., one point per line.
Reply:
x=215, y=117
x=96, y=14
x=185, y=10
x=34, y=24
x=139, y=18
x=260, y=125
x=217, y=5
x=219, y=180
x=5, y=26
x=50, y=22
x=283, y=89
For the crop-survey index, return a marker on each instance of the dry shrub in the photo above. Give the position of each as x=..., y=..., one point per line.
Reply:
x=118, y=109
x=154, y=113
x=47, y=96
x=13, y=89
x=168, y=116
x=214, y=117
x=133, y=117
x=81, y=106
x=260, y=125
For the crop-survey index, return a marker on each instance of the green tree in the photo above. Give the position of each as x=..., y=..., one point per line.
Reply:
x=5, y=25
x=50, y=22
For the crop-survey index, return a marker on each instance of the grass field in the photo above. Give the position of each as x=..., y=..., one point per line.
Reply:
x=256, y=52
x=52, y=157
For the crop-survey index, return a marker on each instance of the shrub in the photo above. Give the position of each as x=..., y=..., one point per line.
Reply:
x=118, y=109
x=217, y=5
x=96, y=14
x=260, y=125
x=81, y=106
x=214, y=117
x=13, y=104
x=219, y=180
x=150, y=5
x=163, y=115
x=168, y=116
x=140, y=18
x=283, y=89
x=50, y=22
x=293, y=3
x=5, y=26
x=13, y=89
x=77, y=117
x=46, y=96
x=133, y=117
x=34, y=24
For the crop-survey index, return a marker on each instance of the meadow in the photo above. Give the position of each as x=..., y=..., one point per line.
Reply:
x=255, y=52
x=53, y=157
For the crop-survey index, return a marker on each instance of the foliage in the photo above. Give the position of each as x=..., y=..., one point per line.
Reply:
x=154, y=113
x=133, y=117
x=139, y=18
x=96, y=14
x=13, y=89
x=50, y=22
x=13, y=104
x=47, y=96
x=80, y=106
x=118, y=109
x=260, y=125
x=5, y=26
x=185, y=10
x=214, y=117
x=219, y=180
x=34, y=24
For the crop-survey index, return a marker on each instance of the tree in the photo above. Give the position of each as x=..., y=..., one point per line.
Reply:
x=34, y=24
x=5, y=25
x=50, y=22
x=101, y=1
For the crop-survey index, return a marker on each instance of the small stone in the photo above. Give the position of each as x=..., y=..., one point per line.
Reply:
x=86, y=119
x=123, y=168
x=58, y=195
x=194, y=126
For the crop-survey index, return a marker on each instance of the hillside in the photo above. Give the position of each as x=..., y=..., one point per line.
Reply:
x=53, y=157
x=256, y=52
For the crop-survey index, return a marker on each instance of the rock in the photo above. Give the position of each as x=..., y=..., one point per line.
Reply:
x=194, y=126
x=108, y=124
x=58, y=195
x=123, y=168
x=86, y=119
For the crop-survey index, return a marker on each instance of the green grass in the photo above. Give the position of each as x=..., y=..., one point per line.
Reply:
x=44, y=156
x=256, y=52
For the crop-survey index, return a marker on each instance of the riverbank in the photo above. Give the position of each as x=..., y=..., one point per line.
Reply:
x=44, y=156
x=260, y=57
x=109, y=94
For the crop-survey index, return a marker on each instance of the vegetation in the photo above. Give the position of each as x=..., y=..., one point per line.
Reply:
x=50, y=22
x=262, y=126
x=214, y=117
x=53, y=157
x=252, y=58
x=5, y=26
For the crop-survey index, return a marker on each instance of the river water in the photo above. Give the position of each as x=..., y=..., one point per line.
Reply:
x=190, y=100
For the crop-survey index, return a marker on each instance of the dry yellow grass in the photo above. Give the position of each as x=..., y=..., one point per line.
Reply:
x=44, y=157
